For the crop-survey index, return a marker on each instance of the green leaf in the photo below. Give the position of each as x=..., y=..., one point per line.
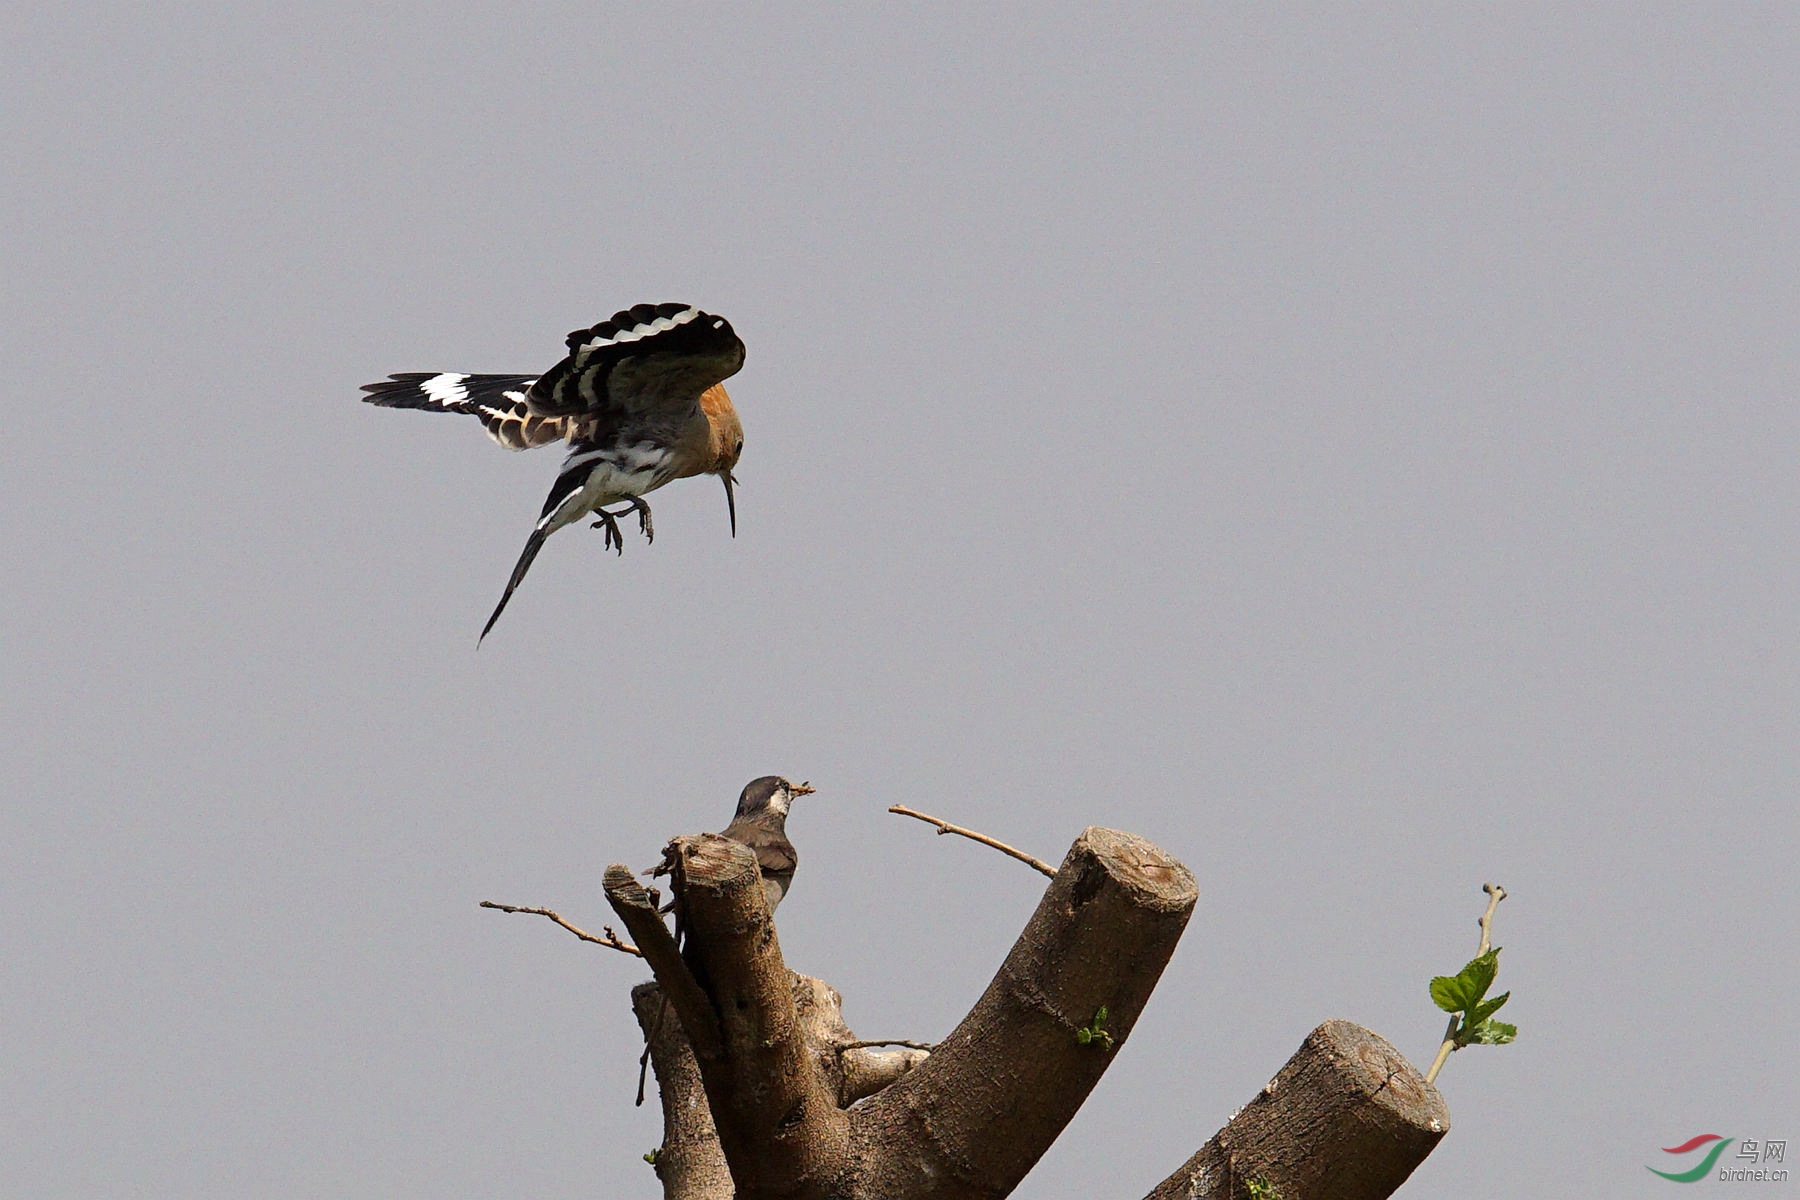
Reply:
x=1092, y=1034
x=1479, y=973
x=1446, y=993
x=1460, y=992
x=1492, y=1033
x=1487, y=1008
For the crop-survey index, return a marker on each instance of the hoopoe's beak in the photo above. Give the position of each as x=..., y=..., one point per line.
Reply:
x=730, y=500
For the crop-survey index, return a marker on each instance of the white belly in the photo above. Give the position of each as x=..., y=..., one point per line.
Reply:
x=613, y=475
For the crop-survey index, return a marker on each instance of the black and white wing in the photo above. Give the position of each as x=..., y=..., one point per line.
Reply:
x=647, y=362
x=497, y=400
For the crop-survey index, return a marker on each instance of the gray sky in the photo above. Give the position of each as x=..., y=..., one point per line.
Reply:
x=1356, y=452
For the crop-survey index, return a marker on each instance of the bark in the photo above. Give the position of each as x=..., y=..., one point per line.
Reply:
x=689, y=1162
x=850, y=1072
x=867, y=1069
x=777, y=1119
x=637, y=909
x=1347, y=1118
x=972, y=1119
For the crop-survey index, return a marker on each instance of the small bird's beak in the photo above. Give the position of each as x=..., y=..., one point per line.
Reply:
x=730, y=500
x=802, y=789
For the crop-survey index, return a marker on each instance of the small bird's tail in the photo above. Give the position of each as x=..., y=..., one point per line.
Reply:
x=532, y=545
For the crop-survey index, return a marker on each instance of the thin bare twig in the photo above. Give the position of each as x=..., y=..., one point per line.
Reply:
x=662, y=1007
x=887, y=1042
x=611, y=939
x=1495, y=894
x=944, y=827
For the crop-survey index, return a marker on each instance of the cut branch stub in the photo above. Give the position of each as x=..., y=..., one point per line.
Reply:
x=777, y=1118
x=637, y=910
x=973, y=1118
x=1348, y=1118
x=850, y=1068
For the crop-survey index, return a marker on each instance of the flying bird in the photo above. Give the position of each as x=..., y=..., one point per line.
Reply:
x=639, y=401
x=761, y=824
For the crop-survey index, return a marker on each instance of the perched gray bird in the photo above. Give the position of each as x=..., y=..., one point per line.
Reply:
x=761, y=824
